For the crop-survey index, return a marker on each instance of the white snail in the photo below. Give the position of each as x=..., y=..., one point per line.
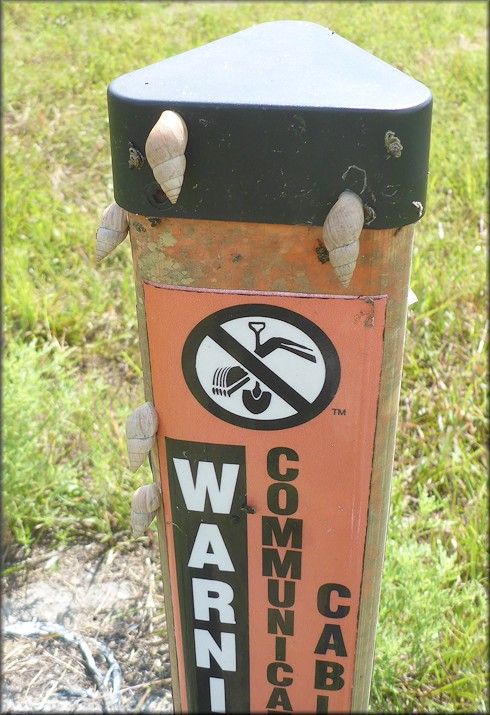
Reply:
x=165, y=149
x=146, y=502
x=113, y=229
x=141, y=428
x=341, y=232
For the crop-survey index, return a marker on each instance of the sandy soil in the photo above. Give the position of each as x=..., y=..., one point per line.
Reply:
x=113, y=598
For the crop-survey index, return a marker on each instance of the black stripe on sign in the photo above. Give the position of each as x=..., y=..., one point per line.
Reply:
x=229, y=528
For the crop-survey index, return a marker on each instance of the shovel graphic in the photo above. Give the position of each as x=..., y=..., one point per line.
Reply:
x=227, y=380
x=264, y=349
x=256, y=400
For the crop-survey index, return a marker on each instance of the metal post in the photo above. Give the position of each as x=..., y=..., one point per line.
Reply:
x=270, y=182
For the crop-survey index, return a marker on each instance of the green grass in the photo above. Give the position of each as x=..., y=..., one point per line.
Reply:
x=71, y=356
x=64, y=465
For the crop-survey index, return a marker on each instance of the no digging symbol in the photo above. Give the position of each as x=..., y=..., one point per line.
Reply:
x=261, y=367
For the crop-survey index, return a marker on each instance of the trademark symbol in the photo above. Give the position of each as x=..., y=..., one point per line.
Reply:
x=341, y=413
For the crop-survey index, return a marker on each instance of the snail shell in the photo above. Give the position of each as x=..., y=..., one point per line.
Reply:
x=341, y=232
x=141, y=429
x=164, y=151
x=113, y=229
x=145, y=505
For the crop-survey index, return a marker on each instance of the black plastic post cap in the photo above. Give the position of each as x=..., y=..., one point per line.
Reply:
x=282, y=118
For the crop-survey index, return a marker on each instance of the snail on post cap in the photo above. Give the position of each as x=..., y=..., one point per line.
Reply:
x=165, y=149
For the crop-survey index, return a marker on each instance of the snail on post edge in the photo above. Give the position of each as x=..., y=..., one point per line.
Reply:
x=146, y=502
x=113, y=229
x=141, y=429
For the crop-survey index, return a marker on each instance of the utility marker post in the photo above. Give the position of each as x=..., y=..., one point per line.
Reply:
x=270, y=182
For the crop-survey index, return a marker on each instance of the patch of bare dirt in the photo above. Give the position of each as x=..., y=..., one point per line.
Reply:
x=106, y=600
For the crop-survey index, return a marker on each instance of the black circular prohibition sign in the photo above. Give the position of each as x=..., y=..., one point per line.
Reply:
x=212, y=327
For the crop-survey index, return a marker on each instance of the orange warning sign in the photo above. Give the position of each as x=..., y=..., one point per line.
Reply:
x=267, y=409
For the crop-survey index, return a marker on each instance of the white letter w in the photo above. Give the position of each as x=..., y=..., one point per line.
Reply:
x=220, y=495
